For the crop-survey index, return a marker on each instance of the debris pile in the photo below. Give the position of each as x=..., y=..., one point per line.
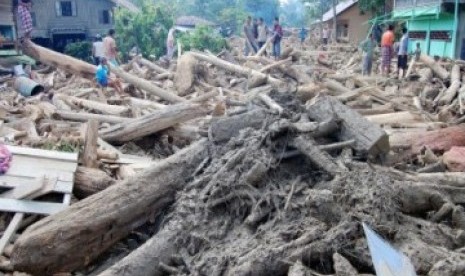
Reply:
x=261, y=167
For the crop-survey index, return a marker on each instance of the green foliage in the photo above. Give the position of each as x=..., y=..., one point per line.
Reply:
x=373, y=6
x=203, y=38
x=232, y=18
x=62, y=146
x=147, y=29
x=81, y=50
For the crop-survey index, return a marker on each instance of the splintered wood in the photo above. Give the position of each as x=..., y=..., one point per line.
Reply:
x=232, y=165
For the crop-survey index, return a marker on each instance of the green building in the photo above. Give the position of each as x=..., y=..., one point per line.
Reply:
x=438, y=25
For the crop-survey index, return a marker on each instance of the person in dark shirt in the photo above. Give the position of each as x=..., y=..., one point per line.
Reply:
x=277, y=37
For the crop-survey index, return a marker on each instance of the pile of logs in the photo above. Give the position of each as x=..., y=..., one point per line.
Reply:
x=196, y=144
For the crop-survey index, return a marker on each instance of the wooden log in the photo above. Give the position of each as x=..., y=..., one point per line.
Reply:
x=146, y=103
x=262, y=50
x=320, y=158
x=450, y=93
x=154, y=67
x=227, y=128
x=308, y=91
x=437, y=69
x=336, y=87
x=88, y=181
x=147, y=86
x=395, y=118
x=410, y=67
x=152, y=123
x=237, y=69
x=58, y=60
x=440, y=140
x=84, y=117
x=89, y=153
x=148, y=258
x=370, y=138
x=71, y=239
x=275, y=65
x=185, y=74
x=426, y=74
x=454, y=159
x=274, y=106
x=97, y=106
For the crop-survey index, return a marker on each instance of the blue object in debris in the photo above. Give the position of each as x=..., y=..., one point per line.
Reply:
x=386, y=259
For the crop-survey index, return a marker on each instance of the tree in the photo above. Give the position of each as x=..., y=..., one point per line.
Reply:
x=147, y=29
x=376, y=7
x=293, y=13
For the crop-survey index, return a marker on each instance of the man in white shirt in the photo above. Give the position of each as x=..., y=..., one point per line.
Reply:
x=97, y=50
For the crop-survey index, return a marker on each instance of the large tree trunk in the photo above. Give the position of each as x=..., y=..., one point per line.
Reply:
x=370, y=138
x=73, y=238
x=59, y=60
x=84, y=117
x=147, y=86
x=437, y=69
x=253, y=74
x=334, y=32
x=149, y=124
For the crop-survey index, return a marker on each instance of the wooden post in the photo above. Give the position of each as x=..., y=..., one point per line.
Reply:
x=89, y=154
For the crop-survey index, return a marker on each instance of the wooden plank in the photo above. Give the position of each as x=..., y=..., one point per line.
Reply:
x=11, y=182
x=30, y=167
x=10, y=230
x=23, y=191
x=89, y=154
x=30, y=207
x=46, y=154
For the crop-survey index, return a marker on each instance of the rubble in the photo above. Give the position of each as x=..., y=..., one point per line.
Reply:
x=251, y=166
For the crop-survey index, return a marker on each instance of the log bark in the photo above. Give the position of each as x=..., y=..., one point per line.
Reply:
x=320, y=158
x=152, y=123
x=73, y=238
x=97, y=106
x=59, y=60
x=308, y=91
x=370, y=138
x=426, y=74
x=395, y=118
x=224, y=129
x=274, y=106
x=185, y=74
x=147, y=86
x=154, y=67
x=440, y=140
x=84, y=117
x=450, y=93
x=237, y=69
x=89, y=153
x=275, y=65
x=88, y=181
x=146, y=260
x=437, y=69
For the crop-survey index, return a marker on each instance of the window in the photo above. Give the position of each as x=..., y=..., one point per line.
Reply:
x=440, y=35
x=105, y=17
x=417, y=34
x=65, y=8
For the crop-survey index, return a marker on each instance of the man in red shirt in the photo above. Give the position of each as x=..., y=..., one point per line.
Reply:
x=24, y=19
x=387, y=43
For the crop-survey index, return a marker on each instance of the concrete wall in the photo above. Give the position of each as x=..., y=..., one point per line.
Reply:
x=357, y=23
x=87, y=17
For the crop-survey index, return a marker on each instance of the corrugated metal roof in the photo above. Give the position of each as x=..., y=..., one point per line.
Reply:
x=126, y=4
x=339, y=8
x=192, y=21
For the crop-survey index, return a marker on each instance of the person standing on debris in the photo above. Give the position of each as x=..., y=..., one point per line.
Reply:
x=402, y=54
x=325, y=35
x=417, y=52
x=102, y=75
x=387, y=43
x=262, y=33
x=367, y=48
x=277, y=37
x=170, y=44
x=97, y=50
x=249, y=37
x=24, y=19
x=302, y=35
x=110, y=49
x=255, y=29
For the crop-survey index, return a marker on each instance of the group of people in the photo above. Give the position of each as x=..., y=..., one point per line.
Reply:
x=257, y=35
x=389, y=48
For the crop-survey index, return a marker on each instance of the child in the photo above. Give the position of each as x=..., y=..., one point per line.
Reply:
x=102, y=75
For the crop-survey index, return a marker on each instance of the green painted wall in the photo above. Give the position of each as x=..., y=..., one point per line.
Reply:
x=436, y=47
